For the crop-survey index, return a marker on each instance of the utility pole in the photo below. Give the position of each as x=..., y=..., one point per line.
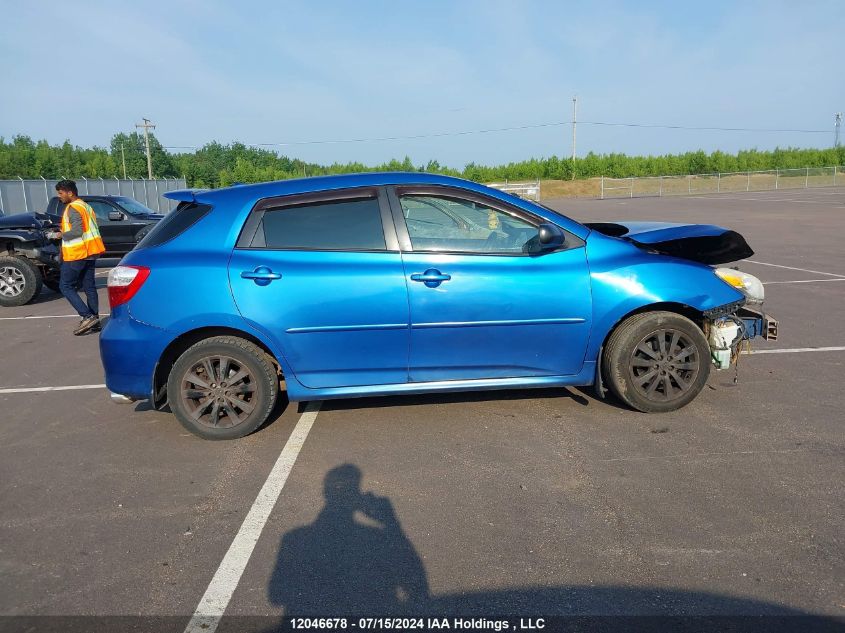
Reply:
x=123, y=160
x=574, y=125
x=147, y=125
x=838, y=119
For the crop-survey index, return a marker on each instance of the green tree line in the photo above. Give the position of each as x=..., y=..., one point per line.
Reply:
x=217, y=165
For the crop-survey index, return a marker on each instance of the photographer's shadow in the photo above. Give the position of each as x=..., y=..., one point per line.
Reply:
x=353, y=559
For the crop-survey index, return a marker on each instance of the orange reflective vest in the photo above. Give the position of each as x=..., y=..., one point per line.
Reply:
x=91, y=243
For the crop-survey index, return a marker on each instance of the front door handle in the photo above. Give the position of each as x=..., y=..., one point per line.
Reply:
x=261, y=275
x=431, y=278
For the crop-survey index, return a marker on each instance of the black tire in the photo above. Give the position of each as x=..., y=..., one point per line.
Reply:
x=653, y=376
x=218, y=409
x=20, y=281
x=50, y=278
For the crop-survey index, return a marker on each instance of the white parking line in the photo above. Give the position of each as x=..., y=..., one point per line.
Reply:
x=744, y=199
x=50, y=316
x=794, y=350
x=37, y=389
x=800, y=281
x=212, y=605
x=810, y=191
x=803, y=270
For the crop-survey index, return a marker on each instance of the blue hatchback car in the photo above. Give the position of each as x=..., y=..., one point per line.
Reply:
x=396, y=283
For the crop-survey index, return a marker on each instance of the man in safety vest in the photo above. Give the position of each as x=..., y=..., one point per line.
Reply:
x=81, y=245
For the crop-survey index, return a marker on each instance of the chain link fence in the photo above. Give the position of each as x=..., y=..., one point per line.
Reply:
x=771, y=180
x=529, y=190
x=22, y=196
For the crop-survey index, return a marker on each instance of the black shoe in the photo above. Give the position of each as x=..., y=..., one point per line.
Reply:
x=86, y=325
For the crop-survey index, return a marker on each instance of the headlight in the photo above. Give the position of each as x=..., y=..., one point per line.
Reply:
x=747, y=284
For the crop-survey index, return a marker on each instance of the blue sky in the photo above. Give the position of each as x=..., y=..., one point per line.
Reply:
x=298, y=72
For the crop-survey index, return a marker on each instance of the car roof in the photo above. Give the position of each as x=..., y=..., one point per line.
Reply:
x=86, y=196
x=240, y=196
x=247, y=193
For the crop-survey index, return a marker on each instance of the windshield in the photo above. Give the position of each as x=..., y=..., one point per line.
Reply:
x=555, y=211
x=132, y=206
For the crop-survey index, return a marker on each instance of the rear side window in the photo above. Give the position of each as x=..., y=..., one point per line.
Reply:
x=175, y=223
x=344, y=225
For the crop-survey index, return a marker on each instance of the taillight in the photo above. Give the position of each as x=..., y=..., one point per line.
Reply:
x=124, y=282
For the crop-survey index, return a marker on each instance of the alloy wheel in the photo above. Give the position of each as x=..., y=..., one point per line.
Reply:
x=12, y=281
x=218, y=392
x=664, y=365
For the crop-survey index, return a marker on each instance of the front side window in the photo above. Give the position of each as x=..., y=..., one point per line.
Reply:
x=344, y=225
x=440, y=223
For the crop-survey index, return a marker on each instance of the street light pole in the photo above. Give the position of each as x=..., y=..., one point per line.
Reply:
x=147, y=125
x=123, y=160
x=574, y=125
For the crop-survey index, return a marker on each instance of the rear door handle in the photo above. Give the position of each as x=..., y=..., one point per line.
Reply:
x=431, y=278
x=261, y=275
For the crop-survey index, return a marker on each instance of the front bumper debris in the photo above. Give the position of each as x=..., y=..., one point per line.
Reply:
x=726, y=333
x=758, y=323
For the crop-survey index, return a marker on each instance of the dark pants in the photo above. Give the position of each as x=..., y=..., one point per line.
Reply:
x=78, y=273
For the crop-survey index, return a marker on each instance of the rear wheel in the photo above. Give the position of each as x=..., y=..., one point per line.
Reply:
x=222, y=388
x=20, y=281
x=656, y=362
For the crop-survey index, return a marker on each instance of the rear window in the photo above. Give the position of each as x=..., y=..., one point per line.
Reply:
x=175, y=223
x=347, y=225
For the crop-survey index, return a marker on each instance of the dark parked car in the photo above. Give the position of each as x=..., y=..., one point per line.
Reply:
x=29, y=258
x=123, y=221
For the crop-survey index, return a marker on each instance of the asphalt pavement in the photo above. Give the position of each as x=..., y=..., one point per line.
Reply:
x=508, y=502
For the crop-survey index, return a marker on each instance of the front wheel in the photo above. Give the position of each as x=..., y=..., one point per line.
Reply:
x=222, y=388
x=656, y=362
x=20, y=281
x=51, y=279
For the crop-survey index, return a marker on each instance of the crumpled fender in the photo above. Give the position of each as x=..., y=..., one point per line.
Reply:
x=625, y=278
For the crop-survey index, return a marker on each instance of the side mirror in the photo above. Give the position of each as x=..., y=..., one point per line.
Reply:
x=550, y=236
x=116, y=216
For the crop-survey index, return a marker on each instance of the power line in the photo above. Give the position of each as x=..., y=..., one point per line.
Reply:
x=413, y=136
x=718, y=129
x=517, y=128
x=387, y=138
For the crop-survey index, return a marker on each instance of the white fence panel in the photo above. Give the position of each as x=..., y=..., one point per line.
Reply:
x=24, y=196
x=527, y=190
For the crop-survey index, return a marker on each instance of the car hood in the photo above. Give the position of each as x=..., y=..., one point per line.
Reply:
x=28, y=221
x=704, y=243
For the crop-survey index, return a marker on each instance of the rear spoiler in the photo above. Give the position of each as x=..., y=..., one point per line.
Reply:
x=183, y=195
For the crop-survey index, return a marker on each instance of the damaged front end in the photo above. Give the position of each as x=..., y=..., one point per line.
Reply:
x=729, y=326
x=702, y=243
x=727, y=332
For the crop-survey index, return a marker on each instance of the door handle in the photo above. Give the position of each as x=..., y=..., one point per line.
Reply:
x=431, y=278
x=261, y=275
